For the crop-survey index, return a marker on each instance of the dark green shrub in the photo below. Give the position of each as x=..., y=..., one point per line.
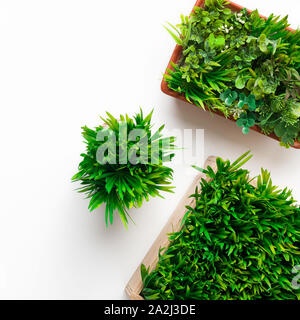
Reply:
x=239, y=242
x=124, y=164
x=245, y=66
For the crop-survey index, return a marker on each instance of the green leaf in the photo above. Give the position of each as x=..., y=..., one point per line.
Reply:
x=211, y=40
x=228, y=97
x=220, y=41
x=174, y=36
x=263, y=43
x=240, y=82
x=245, y=130
x=251, y=102
x=240, y=122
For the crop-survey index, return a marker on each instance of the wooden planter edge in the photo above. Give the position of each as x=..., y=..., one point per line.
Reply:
x=135, y=284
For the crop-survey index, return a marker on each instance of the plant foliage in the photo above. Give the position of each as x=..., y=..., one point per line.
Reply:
x=119, y=183
x=239, y=242
x=229, y=55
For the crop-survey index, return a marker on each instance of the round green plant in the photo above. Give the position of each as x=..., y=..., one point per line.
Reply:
x=123, y=164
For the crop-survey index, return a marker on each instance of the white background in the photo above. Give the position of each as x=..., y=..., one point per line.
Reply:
x=62, y=64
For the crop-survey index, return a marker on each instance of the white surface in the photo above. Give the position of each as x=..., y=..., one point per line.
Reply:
x=63, y=63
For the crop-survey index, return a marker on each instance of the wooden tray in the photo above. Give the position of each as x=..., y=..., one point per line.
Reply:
x=135, y=284
x=176, y=57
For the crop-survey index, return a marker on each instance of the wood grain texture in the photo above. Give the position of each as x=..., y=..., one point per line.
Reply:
x=135, y=284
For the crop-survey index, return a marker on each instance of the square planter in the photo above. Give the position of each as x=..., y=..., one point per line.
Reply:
x=177, y=55
x=135, y=284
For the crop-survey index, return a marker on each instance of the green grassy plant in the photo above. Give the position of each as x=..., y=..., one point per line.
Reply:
x=239, y=242
x=113, y=178
x=244, y=55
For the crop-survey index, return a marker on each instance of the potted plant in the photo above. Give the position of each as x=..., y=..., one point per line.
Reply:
x=124, y=164
x=240, y=65
x=236, y=239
